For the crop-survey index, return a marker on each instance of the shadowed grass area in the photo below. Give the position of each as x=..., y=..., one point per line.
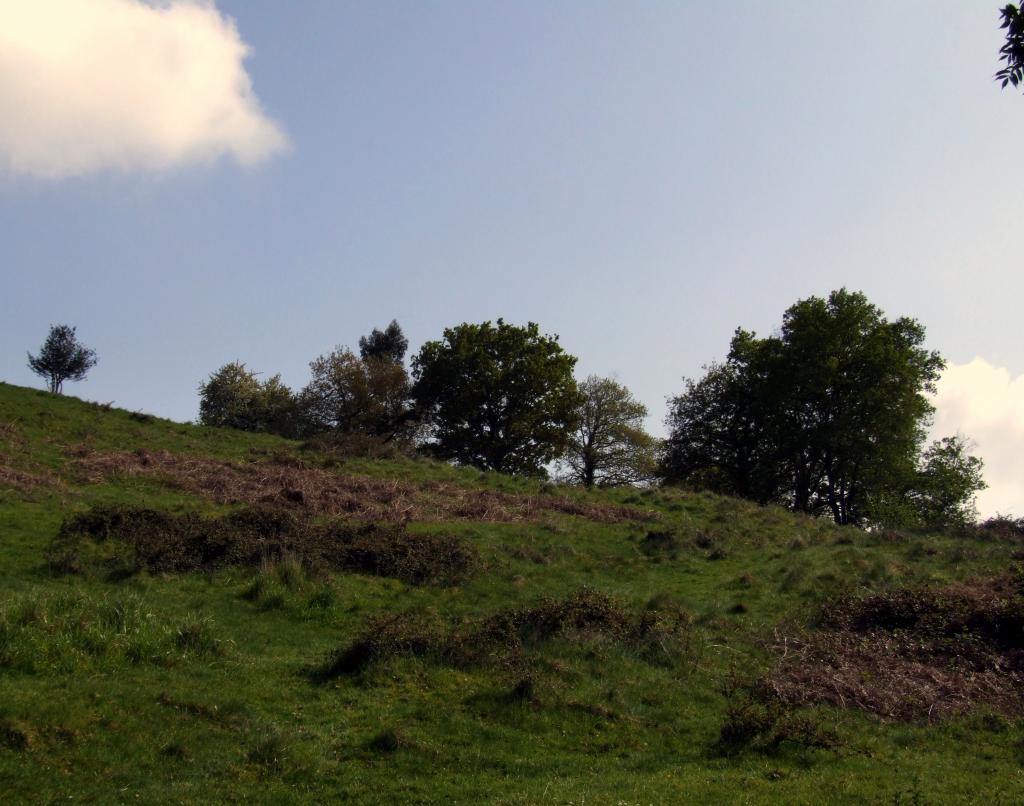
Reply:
x=608, y=646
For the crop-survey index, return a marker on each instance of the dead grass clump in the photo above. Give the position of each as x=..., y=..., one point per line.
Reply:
x=386, y=637
x=661, y=545
x=390, y=740
x=15, y=735
x=131, y=540
x=338, y=446
x=989, y=610
x=26, y=477
x=504, y=638
x=751, y=724
x=912, y=653
x=318, y=491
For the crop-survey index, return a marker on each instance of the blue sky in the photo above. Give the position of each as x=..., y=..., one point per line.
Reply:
x=640, y=178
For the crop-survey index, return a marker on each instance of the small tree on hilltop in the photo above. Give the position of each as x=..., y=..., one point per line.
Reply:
x=62, y=358
x=609, y=446
x=497, y=397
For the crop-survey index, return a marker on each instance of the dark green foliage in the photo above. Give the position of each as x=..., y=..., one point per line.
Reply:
x=389, y=344
x=234, y=397
x=827, y=416
x=62, y=358
x=1012, y=51
x=144, y=539
x=498, y=397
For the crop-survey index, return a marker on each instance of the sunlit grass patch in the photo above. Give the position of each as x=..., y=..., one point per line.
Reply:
x=70, y=631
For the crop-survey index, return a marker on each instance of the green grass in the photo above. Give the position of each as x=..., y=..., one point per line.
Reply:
x=196, y=687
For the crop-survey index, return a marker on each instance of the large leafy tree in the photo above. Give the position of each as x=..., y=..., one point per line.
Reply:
x=825, y=416
x=497, y=396
x=609, y=446
x=62, y=358
x=719, y=436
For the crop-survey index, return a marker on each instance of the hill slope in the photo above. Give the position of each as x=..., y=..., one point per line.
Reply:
x=230, y=617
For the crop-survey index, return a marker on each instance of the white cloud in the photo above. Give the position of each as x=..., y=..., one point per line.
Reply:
x=87, y=85
x=986, y=404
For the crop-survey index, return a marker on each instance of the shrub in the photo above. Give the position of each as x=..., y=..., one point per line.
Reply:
x=657, y=633
x=124, y=540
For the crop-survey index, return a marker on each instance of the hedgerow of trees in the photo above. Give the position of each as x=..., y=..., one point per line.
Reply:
x=827, y=416
x=348, y=396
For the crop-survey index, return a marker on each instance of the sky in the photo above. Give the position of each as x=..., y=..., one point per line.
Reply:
x=191, y=183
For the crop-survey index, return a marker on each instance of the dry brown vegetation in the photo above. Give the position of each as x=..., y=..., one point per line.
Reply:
x=911, y=653
x=291, y=482
x=124, y=541
x=22, y=480
x=21, y=474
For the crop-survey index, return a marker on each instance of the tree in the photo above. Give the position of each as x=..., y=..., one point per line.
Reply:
x=609, y=446
x=497, y=397
x=234, y=397
x=388, y=343
x=718, y=434
x=348, y=394
x=947, y=481
x=1012, y=52
x=62, y=358
x=826, y=416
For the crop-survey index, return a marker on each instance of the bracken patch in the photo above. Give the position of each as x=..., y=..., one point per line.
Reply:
x=911, y=653
x=288, y=481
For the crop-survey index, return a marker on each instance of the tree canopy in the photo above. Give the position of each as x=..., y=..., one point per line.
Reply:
x=389, y=343
x=496, y=396
x=609, y=446
x=825, y=416
x=234, y=397
x=62, y=358
x=349, y=394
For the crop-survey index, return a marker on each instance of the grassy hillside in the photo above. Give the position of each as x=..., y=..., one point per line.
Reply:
x=229, y=617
